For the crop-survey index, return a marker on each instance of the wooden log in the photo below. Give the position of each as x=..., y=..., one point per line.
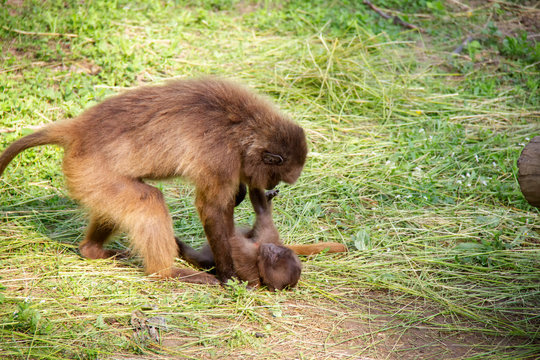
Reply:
x=529, y=171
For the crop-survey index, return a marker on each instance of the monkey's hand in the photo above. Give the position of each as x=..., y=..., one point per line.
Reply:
x=270, y=194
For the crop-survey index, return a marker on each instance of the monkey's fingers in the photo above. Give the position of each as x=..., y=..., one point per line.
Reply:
x=270, y=194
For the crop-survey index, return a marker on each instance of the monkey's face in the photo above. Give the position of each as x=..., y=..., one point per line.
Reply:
x=279, y=158
x=279, y=267
x=289, y=171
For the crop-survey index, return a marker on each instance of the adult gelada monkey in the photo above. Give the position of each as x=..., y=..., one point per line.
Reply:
x=213, y=132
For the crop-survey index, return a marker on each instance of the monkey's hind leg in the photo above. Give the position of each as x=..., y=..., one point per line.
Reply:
x=203, y=258
x=146, y=218
x=134, y=207
x=149, y=226
x=97, y=234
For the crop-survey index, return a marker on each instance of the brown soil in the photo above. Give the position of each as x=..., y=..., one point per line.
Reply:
x=370, y=325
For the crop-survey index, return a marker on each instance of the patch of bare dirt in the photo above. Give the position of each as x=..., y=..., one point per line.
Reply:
x=371, y=325
x=14, y=6
x=529, y=22
x=81, y=66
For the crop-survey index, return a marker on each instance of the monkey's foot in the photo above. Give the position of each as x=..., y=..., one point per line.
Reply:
x=194, y=277
x=93, y=251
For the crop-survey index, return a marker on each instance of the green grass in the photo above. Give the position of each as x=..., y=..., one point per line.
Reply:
x=412, y=165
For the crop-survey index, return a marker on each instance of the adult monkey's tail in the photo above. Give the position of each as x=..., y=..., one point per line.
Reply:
x=41, y=137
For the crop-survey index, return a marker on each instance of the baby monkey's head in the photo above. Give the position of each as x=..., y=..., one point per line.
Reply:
x=279, y=267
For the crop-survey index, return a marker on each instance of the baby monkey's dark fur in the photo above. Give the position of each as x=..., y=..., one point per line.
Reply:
x=258, y=255
x=213, y=132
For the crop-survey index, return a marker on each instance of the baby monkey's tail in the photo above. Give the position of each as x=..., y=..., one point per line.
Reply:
x=312, y=249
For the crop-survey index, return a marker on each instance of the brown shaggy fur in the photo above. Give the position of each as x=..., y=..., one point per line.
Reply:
x=213, y=132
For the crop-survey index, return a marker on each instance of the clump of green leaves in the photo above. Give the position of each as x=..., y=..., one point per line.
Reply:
x=27, y=319
x=519, y=47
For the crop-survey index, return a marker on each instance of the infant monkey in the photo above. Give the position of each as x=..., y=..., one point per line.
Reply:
x=258, y=255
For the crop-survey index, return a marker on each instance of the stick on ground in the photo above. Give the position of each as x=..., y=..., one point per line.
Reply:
x=395, y=19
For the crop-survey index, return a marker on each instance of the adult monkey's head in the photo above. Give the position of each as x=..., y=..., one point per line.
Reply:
x=276, y=156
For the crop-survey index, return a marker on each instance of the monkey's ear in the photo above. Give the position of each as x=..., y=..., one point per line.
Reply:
x=272, y=159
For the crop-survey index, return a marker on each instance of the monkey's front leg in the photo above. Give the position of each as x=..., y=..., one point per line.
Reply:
x=259, y=201
x=264, y=229
x=218, y=223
